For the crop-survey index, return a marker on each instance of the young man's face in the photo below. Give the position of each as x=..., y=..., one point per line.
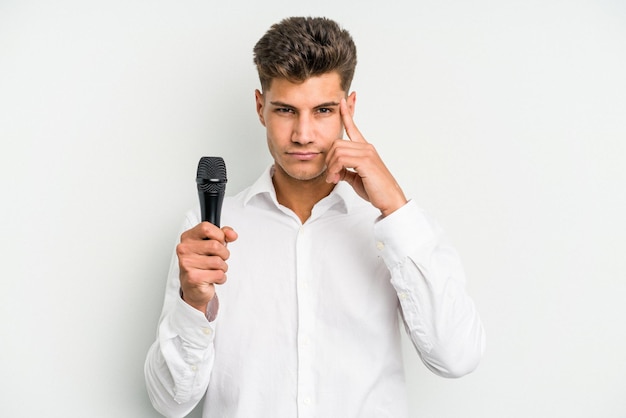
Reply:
x=302, y=121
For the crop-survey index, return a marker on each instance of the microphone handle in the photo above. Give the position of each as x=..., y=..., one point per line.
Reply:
x=211, y=207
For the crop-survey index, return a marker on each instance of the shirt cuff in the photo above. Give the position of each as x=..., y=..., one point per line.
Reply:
x=405, y=232
x=191, y=325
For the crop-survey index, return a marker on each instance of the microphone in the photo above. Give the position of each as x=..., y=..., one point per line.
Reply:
x=211, y=180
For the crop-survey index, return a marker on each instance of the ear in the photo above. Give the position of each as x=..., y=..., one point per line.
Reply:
x=260, y=103
x=351, y=102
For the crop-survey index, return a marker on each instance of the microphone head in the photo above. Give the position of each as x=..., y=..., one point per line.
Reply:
x=211, y=177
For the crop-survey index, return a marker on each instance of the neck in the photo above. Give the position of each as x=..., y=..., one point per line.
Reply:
x=300, y=195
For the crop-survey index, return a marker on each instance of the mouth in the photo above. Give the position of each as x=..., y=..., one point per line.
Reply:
x=303, y=156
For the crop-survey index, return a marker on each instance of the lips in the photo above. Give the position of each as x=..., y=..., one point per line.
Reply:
x=303, y=156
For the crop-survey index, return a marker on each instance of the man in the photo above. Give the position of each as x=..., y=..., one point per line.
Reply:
x=328, y=251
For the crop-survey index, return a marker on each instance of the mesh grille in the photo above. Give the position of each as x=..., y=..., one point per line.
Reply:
x=211, y=175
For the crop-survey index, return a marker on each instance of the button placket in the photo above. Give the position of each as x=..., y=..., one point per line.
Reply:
x=304, y=264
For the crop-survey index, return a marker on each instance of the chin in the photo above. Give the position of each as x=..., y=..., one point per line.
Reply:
x=304, y=175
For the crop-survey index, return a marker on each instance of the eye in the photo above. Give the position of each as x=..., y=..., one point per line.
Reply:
x=325, y=110
x=284, y=110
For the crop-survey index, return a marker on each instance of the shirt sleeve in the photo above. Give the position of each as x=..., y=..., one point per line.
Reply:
x=179, y=363
x=426, y=272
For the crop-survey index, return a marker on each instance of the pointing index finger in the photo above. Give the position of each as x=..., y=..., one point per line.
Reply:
x=348, y=123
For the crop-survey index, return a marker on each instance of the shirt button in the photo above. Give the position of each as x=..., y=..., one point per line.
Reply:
x=380, y=245
x=207, y=331
x=402, y=296
x=307, y=401
x=194, y=368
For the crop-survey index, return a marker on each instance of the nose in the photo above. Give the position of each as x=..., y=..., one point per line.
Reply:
x=303, y=130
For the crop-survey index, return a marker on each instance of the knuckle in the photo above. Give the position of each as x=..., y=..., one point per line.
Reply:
x=218, y=264
x=182, y=249
x=185, y=235
x=221, y=279
x=205, y=228
x=213, y=245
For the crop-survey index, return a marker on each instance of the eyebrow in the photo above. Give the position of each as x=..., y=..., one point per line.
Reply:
x=326, y=104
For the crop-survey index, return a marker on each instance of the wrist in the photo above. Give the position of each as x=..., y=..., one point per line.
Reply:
x=209, y=309
x=391, y=208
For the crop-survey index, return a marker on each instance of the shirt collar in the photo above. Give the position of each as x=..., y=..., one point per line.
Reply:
x=341, y=198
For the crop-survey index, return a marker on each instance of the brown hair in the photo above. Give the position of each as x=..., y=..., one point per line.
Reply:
x=298, y=48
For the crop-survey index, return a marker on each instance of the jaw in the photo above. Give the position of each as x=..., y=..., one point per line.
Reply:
x=306, y=172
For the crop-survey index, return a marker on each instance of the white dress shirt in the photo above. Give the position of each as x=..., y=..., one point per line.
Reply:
x=308, y=322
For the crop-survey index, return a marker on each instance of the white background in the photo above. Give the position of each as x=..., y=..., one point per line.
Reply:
x=506, y=120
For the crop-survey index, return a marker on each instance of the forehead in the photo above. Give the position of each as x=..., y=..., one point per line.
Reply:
x=312, y=91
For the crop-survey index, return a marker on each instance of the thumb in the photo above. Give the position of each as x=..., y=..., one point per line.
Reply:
x=229, y=234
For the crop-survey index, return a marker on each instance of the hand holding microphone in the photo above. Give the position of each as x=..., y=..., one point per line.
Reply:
x=202, y=251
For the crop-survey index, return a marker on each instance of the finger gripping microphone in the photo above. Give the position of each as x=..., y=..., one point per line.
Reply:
x=211, y=181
